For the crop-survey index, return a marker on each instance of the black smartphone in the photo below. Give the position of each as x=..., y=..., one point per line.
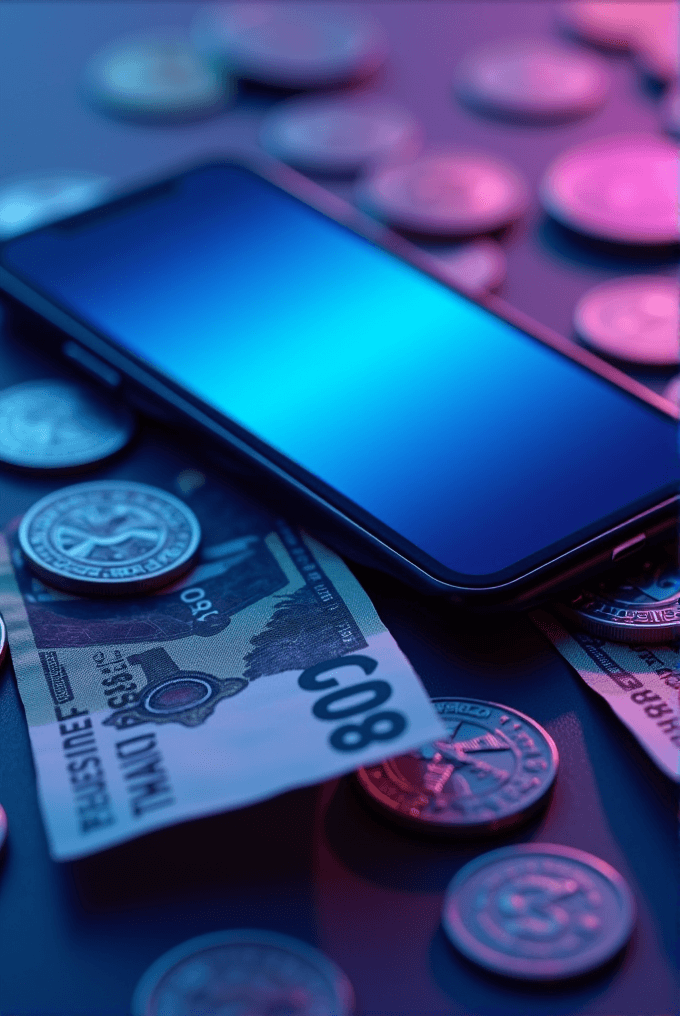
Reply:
x=447, y=440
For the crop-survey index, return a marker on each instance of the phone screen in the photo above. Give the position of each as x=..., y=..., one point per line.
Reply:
x=475, y=442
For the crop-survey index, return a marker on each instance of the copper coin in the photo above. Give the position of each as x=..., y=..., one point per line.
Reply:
x=495, y=768
x=622, y=189
x=446, y=194
x=635, y=318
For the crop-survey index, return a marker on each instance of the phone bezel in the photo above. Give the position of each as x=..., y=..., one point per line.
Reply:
x=403, y=556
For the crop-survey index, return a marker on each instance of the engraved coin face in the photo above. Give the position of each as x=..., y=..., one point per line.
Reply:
x=244, y=973
x=446, y=194
x=58, y=425
x=621, y=189
x=493, y=770
x=109, y=538
x=475, y=267
x=339, y=135
x=291, y=45
x=3, y=641
x=3, y=828
x=535, y=81
x=538, y=911
x=642, y=605
x=155, y=77
x=31, y=201
x=635, y=319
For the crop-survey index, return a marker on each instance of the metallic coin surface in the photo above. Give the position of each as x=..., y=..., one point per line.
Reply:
x=339, y=135
x=446, y=194
x=3, y=828
x=641, y=604
x=3, y=641
x=244, y=973
x=57, y=425
x=621, y=189
x=538, y=911
x=291, y=45
x=494, y=769
x=532, y=80
x=672, y=391
x=156, y=77
x=31, y=201
x=477, y=267
x=635, y=318
x=109, y=538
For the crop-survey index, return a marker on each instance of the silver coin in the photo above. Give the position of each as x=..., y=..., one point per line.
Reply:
x=58, y=425
x=3, y=641
x=495, y=768
x=109, y=538
x=641, y=604
x=31, y=201
x=532, y=81
x=635, y=318
x=538, y=911
x=291, y=45
x=622, y=189
x=339, y=135
x=156, y=77
x=476, y=267
x=248, y=972
x=3, y=828
x=446, y=194
x=672, y=391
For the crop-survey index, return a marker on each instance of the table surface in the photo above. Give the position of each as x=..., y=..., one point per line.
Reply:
x=314, y=863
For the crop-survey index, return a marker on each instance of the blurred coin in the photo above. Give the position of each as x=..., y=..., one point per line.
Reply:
x=672, y=112
x=31, y=201
x=109, y=538
x=635, y=319
x=672, y=391
x=155, y=77
x=612, y=24
x=339, y=135
x=3, y=641
x=621, y=189
x=657, y=42
x=641, y=604
x=446, y=194
x=476, y=267
x=58, y=425
x=253, y=973
x=493, y=770
x=3, y=828
x=538, y=911
x=291, y=45
x=535, y=81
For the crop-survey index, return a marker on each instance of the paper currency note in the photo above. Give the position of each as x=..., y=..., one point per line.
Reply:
x=265, y=668
x=641, y=683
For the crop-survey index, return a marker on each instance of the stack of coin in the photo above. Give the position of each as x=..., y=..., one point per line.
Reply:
x=248, y=971
x=31, y=201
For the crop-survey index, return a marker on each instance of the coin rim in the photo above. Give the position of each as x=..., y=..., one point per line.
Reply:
x=470, y=830
x=337, y=979
x=516, y=967
x=95, y=587
x=604, y=628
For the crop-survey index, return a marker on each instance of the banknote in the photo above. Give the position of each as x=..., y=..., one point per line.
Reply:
x=641, y=683
x=264, y=668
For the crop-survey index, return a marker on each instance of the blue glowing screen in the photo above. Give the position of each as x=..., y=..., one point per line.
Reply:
x=472, y=440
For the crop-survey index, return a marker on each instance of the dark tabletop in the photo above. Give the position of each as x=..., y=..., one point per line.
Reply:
x=314, y=863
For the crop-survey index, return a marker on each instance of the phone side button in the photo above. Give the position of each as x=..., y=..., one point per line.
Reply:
x=92, y=364
x=629, y=546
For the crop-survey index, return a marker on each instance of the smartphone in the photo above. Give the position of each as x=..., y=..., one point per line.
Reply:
x=446, y=440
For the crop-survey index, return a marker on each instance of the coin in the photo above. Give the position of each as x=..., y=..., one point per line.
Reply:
x=493, y=770
x=657, y=42
x=338, y=135
x=109, y=538
x=3, y=641
x=58, y=425
x=532, y=81
x=635, y=318
x=614, y=25
x=672, y=391
x=291, y=45
x=249, y=972
x=158, y=77
x=476, y=267
x=3, y=828
x=621, y=189
x=538, y=911
x=31, y=201
x=446, y=193
x=639, y=604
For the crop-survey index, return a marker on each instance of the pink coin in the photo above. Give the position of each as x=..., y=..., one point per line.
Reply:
x=635, y=319
x=532, y=80
x=611, y=24
x=672, y=391
x=657, y=43
x=475, y=267
x=446, y=194
x=622, y=189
